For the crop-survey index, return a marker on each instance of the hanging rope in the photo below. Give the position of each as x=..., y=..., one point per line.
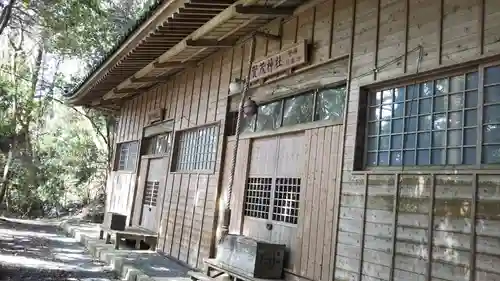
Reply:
x=227, y=208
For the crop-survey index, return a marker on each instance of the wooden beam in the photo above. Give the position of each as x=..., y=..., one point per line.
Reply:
x=263, y=10
x=125, y=91
x=207, y=43
x=172, y=64
x=144, y=79
x=268, y=35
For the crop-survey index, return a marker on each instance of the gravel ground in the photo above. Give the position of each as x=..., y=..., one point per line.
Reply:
x=34, y=250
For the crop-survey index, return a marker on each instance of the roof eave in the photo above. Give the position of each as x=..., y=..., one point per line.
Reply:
x=166, y=9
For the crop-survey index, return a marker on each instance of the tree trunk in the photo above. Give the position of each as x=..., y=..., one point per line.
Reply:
x=6, y=15
x=5, y=177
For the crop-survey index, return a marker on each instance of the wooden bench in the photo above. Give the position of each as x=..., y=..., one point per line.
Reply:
x=215, y=269
x=131, y=233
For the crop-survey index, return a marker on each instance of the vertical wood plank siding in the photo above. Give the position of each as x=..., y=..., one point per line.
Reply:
x=348, y=225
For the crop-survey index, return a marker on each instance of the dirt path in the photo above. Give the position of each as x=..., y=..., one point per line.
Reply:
x=33, y=250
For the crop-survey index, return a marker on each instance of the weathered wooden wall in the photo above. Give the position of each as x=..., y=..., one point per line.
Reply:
x=398, y=226
x=388, y=34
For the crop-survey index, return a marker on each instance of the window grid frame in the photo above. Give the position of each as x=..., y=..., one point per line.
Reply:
x=202, y=157
x=314, y=115
x=271, y=214
x=480, y=87
x=125, y=161
x=151, y=189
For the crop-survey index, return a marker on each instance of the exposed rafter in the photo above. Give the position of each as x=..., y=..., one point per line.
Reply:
x=204, y=43
x=263, y=10
x=144, y=79
x=174, y=64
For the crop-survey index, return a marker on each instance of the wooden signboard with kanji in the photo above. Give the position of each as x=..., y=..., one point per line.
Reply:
x=291, y=57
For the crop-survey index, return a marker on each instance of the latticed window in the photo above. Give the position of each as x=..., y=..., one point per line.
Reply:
x=127, y=156
x=197, y=149
x=273, y=198
x=151, y=193
x=159, y=144
x=453, y=120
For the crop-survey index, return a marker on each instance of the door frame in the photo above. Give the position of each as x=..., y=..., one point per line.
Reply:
x=148, y=131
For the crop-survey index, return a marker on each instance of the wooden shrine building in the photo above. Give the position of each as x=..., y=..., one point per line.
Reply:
x=374, y=152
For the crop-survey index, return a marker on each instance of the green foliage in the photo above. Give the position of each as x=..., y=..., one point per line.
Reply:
x=59, y=151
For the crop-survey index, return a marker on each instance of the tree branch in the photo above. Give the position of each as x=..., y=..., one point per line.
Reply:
x=6, y=15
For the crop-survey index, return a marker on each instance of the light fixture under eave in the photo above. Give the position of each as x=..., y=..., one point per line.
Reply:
x=236, y=86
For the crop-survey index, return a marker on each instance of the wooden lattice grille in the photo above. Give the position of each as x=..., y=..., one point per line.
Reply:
x=197, y=149
x=258, y=197
x=277, y=199
x=286, y=200
x=151, y=193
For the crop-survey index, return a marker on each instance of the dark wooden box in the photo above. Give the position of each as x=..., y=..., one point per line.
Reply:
x=117, y=221
x=254, y=258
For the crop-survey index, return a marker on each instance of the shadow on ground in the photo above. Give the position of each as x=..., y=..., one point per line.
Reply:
x=34, y=250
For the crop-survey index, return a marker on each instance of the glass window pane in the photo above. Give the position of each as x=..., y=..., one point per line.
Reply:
x=423, y=157
x=454, y=156
x=470, y=136
x=454, y=137
x=372, y=143
x=455, y=119
x=438, y=139
x=376, y=98
x=269, y=116
x=491, y=154
x=410, y=141
x=396, y=141
x=427, y=89
x=386, y=112
x=384, y=143
x=439, y=122
x=373, y=128
x=330, y=104
x=442, y=86
x=411, y=108
x=412, y=92
x=397, y=125
x=492, y=94
x=385, y=127
x=411, y=124
x=469, y=156
x=399, y=94
x=425, y=123
x=373, y=113
x=425, y=106
x=424, y=140
x=492, y=75
x=457, y=83
x=383, y=158
x=409, y=157
x=470, y=118
x=440, y=103
x=248, y=123
x=437, y=156
x=397, y=110
x=492, y=114
x=387, y=97
x=396, y=158
x=491, y=134
x=470, y=99
x=471, y=81
x=456, y=102
x=298, y=110
x=371, y=159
